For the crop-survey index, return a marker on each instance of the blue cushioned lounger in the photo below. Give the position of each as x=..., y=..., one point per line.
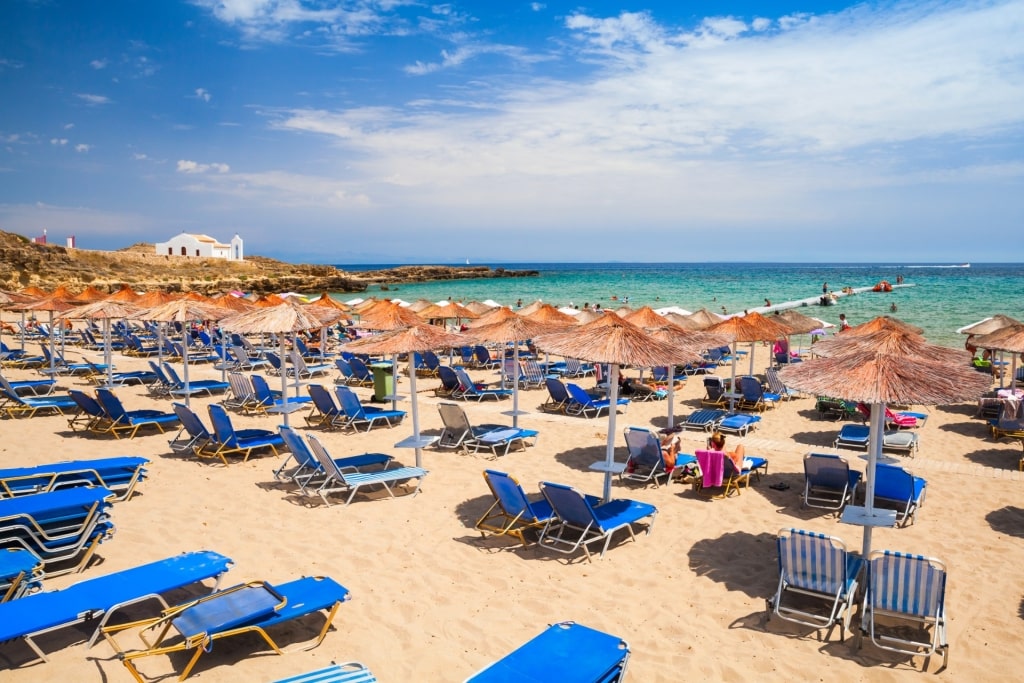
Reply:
x=565, y=652
x=346, y=672
x=120, y=475
x=36, y=614
x=20, y=572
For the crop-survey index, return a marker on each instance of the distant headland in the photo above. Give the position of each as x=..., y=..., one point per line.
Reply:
x=24, y=263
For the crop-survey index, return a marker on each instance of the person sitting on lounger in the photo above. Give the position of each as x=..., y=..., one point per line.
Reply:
x=717, y=443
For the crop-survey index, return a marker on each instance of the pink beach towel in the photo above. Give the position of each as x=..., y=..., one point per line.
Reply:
x=712, y=467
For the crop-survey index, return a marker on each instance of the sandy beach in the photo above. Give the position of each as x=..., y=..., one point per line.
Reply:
x=431, y=600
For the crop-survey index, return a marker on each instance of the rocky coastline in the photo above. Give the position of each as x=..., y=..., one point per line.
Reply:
x=24, y=263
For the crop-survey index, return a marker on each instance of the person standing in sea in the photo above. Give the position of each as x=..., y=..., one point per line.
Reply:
x=824, y=288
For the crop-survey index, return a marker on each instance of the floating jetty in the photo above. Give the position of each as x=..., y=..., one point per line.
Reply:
x=816, y=300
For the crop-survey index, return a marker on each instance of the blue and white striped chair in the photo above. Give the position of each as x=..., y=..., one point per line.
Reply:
x=818, y=566
x=903, y=588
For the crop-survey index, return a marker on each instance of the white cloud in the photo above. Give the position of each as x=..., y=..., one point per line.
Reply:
x=60, y=142
x=185, y=166
x=137, y=156
x=537, y=6
x=93, y=99
x=203, y=94
x=10, y=64
x=68, y=126
x=99, y=64
x=82, y=147
x=464, y=53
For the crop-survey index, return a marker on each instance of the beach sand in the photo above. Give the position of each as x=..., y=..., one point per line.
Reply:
x=433, y=601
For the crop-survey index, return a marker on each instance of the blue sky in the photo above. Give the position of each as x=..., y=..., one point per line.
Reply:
x=394, y=131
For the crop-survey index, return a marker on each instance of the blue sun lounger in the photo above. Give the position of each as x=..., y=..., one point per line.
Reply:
x=119, y=475
x=103, y=596
x=706, y=419
x=134, y=420
x=738, y=423
x=20, y=572
x=247, y=608
x=567, y=652
x=15, y=404
x=586, y=521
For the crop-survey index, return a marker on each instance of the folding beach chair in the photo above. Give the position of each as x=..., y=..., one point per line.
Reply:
x=737, y=423
x=361, y=375
x=469, y=389
x=558, y=396
x=459, y=433
x=337, y=480
x=247, y=608
x=227, y=441
x=754, y=395
x=853, y=436
x=89, y=415
x=307, y=471
x=195, y=386
x=17, y=406
x=706, y=419
x=898, y=488
x=357, y=414
x=829, y=483
x=102, y=597
x=777, y=387
x=646, y=460
x=714, y=392
x=582, y=403
x=566, y=652
x=124, y=420
x=301, y=370
x=21, y=572
x=265, y=398
x=719, y=471
x=32, y=387
x=909, y=590
x=120, y=475
x=815, y=566
x=450, y=386
x=193, y=437
x=327, y=413
x=512, y=513
x=242, y=396
x=578, y=520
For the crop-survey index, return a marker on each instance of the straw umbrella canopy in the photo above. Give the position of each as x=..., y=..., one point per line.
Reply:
x=12, y=301
x=449, y=312
x=233, y=303
x=106, y=311
x=62, y=292
x=612, y=340
x=891, y=341
x=511, y=330
x=683, y=321
x=1009, y=338
x=157, y=297
x=51, y=305
x=883, y=322
x=412, y=339
x=419, y=305
x=584, y=317
x=34, y=292
x=90, y=294
x=692, y=345
x=478, y=307
x=494, y=315
x=125, y=294
x=989, y=325
x=705, y=318
x=645, y=317
x=546, y=313
x=867, y=375
x=327, y=301
x=797, y=322
x=623, y=311
x=284, y=319
x=184, y=311
x=388, y=316
x=752, y=327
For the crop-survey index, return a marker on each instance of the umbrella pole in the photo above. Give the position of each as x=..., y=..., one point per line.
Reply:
x=53, y=360
x=613, y=400
x=23, y=330
x=394, y=378
x=732, y=383
x=323, y=343
x=284, y=381
x=184, y=361
x=752, y=358
x=515, y=386
x=874, y=452
x=415, y=409
x=107, y=344
x=671, y=395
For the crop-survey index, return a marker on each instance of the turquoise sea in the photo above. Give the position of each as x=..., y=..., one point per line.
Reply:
x=943, y=297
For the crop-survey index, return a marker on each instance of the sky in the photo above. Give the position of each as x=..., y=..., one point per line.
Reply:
x=392, y=131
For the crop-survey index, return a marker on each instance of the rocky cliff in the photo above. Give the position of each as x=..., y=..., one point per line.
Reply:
x=23, y=263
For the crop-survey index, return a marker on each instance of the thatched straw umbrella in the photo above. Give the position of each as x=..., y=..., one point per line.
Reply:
x=984, y=327
x=185, y=312
x=1009, y=338
x=797, y=322
x=546, y=313
x=62, y=292
x=154, y=298
x=494, y=315
x=752, y=327
x=284, y=319
x=386, y=315
x=478, y=307
x=692, y=342
x=877, y=378
x=10, y=300
x=125, y=294
x=883, y=322
x=683, y=321
x=645, y=317
x=412, y=339
x=705, y=318
x=584, y=317
x=511, y=330
x=327, y=302
x=612, y=340
x=891, y=341
x=449, y=312
x=106, y=311
x=90, y=294
x=623, y=311
x=34, y=292
x=233, y=303
x=531, y=307
x=51, y=305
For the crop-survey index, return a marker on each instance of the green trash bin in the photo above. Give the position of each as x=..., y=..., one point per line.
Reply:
x=383, y=381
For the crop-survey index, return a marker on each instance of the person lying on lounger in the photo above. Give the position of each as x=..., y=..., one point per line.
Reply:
x=717, y=443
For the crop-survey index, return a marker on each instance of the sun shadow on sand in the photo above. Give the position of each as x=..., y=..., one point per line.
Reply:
x=815, y=439
x=582, y=458
x=739, y=560
x=973, y=428
x=998, y=458
x=1007, y=520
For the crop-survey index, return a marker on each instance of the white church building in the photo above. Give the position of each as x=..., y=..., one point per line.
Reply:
x=203, y=246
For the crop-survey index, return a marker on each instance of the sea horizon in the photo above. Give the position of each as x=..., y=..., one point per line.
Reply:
x=939, y=297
